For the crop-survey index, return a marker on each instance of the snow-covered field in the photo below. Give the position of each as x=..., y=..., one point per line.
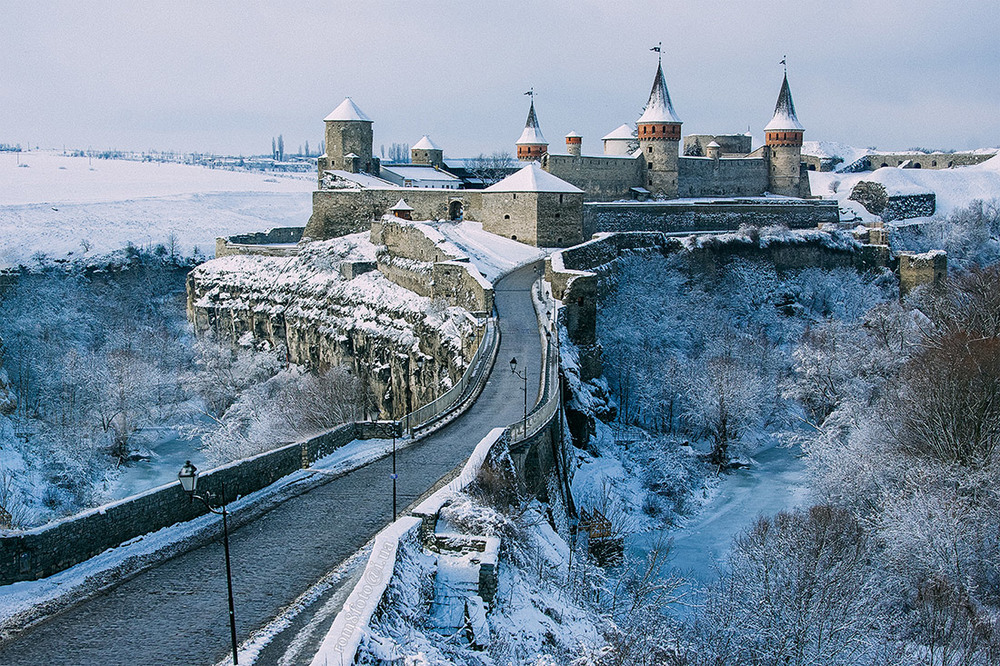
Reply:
x=955, y=188
x=58, y=205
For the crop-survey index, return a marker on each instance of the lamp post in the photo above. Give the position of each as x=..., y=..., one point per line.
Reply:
x=522, y=375
x=188, y=477
x=387, y=429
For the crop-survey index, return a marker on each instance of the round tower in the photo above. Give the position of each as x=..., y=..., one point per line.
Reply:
x=574, y=144
x=426, y=151
x=348, y=130
x=531, y=145
x=659, y=139
x=783, y=138
x=713, y=151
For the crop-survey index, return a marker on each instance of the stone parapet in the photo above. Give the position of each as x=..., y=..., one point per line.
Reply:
x=46, y=550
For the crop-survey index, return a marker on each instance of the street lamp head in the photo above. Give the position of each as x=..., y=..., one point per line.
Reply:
x=513, y=364
x=188, y=476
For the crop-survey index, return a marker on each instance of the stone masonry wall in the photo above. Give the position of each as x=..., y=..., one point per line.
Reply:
x=417, y=257
x=259, y=242
x=917, y=269
x=603, y=178
x=459, y=283
x=927, y=160
x=560, y=219
x=724, y=177
x=52, y=548
x=719, y=215
x=347, y=211
x=512, y=214
x=905, y=206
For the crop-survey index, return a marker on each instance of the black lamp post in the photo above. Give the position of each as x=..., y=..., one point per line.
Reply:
x=389, y=429
x=523, y=375
x=188, y=477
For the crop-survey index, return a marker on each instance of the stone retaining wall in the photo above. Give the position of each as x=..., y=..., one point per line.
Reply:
x=51, y=548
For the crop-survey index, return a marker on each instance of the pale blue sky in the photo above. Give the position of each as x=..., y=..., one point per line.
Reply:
x=227, y=76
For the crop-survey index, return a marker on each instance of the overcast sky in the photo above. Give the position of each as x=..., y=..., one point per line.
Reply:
x=227, y=76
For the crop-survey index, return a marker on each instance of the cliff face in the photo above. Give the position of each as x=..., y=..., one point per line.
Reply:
x=406, y=347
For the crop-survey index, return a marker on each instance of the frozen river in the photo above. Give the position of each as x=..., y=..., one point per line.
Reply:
x=776, y=482
x=167, y=455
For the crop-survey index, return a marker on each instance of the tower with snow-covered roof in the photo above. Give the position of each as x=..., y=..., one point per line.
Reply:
x=574, y=144
x=659, y=138
x=783, y=138
x=426, y=151
x=534, y=207
x=348, y=133
x=531, y=145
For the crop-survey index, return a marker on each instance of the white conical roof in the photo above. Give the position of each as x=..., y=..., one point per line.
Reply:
x=784, y=111
x=348, y=110
x=574, y=135
x=425, y=143
x=532, y=133
x=623, y=131
x=402, y=205
x=658, y=108
x=714, y=144
x=532, y=178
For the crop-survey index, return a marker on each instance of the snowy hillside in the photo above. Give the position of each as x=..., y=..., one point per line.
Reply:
x=955, y=188
x=58, y=205
x=834, y=149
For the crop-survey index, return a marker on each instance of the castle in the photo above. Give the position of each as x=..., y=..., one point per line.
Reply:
x=543, y=203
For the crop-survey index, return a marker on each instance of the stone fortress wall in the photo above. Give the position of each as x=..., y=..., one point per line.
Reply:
x=927, y=160
x=696, y=145
x=721, y=177
x=261, y=242
x=416, y=257
x=707, y=215
x=602, y=177
x=338, y=212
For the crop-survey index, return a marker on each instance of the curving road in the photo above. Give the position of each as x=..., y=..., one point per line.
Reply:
x=175, y=612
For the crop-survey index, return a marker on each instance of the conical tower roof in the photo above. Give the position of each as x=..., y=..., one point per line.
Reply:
x=532, y=178
x=425, y=143
x=658, y=108
x=348, y=110
x=532, y=134
x=784, y=111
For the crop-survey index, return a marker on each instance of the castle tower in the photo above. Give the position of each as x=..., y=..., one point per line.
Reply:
x=532, y=145
x=659, y=138
x=783, y=137
x=574, y=144
x=426, y=151
x=348, y=130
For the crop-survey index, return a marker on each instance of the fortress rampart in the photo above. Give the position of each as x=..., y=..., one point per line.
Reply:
x=708, y=215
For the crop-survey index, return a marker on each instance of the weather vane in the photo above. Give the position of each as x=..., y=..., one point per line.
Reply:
x=659, y=51
x=783, y=63
x=531, y=93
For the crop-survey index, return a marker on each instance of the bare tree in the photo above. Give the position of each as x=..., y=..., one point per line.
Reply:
x=492, y=168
